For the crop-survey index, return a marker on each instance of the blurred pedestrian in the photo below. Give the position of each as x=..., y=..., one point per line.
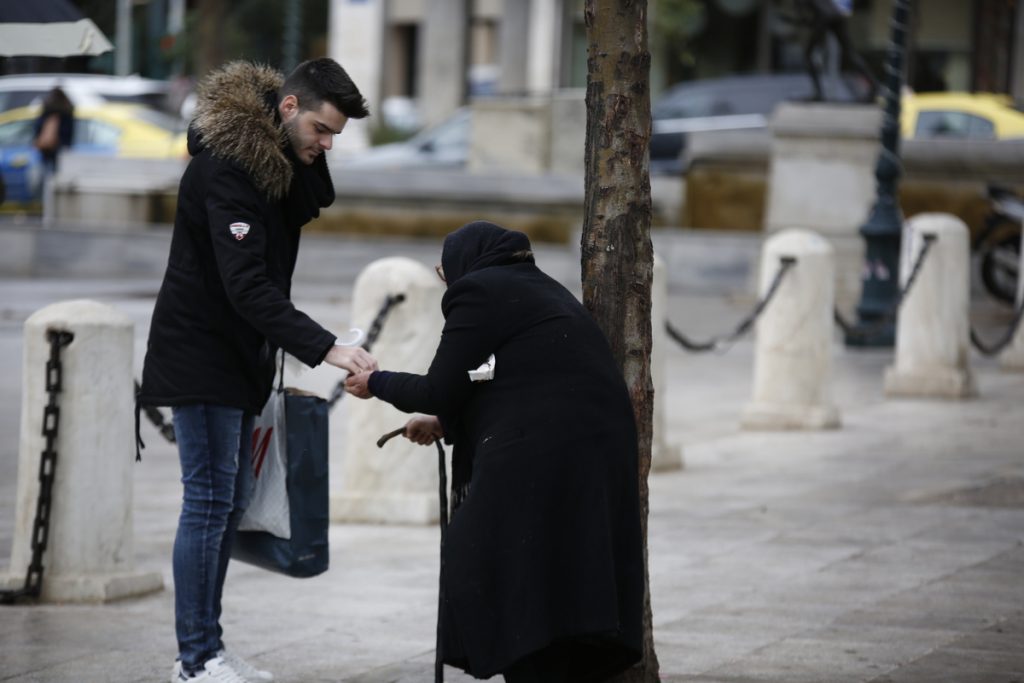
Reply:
x=53, y=130
x=256, y=177
x=543, y=571
x=54, y=127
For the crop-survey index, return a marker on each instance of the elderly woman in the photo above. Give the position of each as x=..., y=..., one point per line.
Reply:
x=543, y=567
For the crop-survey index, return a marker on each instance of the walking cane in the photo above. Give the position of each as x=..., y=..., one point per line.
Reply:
x=443, y=499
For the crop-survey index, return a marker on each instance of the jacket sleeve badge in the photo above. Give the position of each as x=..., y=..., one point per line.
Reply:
x=239, y=230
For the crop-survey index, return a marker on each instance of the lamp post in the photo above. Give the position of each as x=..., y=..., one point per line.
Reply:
x=884, y=226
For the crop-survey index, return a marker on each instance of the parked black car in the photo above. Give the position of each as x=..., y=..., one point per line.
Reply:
x=730, y=103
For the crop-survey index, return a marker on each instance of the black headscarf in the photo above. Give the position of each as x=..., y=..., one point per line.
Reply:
x=481, y=244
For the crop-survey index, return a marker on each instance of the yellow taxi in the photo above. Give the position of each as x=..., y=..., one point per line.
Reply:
x=124, y=130
x=116, y=130
x=961, y=115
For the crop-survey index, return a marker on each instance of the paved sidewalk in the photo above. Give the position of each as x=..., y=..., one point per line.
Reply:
x=890, y=550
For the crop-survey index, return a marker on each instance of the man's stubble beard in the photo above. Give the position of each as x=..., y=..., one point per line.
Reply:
x=291, y=132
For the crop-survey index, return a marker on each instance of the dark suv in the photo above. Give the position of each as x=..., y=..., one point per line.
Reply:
x=730, y=103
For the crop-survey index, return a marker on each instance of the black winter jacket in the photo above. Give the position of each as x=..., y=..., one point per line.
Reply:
x=223, y=308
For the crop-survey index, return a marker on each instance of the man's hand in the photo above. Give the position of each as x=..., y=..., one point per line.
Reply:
x=423, y=429
x=358, y=385
x=352, y=358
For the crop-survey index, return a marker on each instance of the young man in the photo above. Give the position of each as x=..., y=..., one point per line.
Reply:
x=257, y=176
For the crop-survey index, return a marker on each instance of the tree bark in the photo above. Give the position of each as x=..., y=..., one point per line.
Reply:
x=617, y=256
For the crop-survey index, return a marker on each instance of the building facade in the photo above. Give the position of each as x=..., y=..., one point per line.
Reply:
x=440, y=53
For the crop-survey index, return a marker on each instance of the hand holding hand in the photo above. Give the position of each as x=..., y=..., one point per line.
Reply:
x=352, y=358
x=358, y=384
x=423, y=429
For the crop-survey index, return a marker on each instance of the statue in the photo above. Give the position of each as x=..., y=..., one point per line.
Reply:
x=824, y=17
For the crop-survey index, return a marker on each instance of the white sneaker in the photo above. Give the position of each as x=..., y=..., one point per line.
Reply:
x=244, y=668
x=215, y=670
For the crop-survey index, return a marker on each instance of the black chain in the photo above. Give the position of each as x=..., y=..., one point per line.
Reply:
x=718, y=343
x=156, y=417
x=47, y=465
x=371, y=337
x=1004, y=341
x=879, y=325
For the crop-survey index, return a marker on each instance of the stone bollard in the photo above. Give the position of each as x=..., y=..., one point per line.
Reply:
x=396, y=483
x=793, y=351
x=665, y=456
x=89, y=555
x=933, y=328
x=1012, y=358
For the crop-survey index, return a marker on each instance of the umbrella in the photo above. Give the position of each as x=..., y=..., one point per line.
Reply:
x=48, y=28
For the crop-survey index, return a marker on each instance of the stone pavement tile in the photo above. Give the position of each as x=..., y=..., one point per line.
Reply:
x=414, y=670
x=786, y=618
x=332, y=657
x=947, y=605
x=778, y=560
x=731, y=578
x=863, y=581
x=697, y=540
x=1005, y=636
x=97, y=667
x=956, y=665
x=701, y=678
x=114, y=642
x=675, y=600
x=889, y=645
x=810, y=660
x=981, y=525
x=920, y=559
x=698, y=643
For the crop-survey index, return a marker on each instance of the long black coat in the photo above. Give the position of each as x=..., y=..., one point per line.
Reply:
x=545, y=543
x=224, y=307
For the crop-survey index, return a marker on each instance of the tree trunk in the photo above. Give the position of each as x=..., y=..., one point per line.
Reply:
x=617, y=256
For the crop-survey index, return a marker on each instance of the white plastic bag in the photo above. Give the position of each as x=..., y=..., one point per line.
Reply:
x=268, y=510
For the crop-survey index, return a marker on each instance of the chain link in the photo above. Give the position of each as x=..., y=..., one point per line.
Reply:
x=879, y=325
x=47, y=466
x=1004, y=341
x=722, y=342
x=390, y=302
x=157, y=419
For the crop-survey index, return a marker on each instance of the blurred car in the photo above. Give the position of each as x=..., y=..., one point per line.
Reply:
x=445, y=145
x=116, y=130
x=730, y=103
x=83, y=89
x=961, y=115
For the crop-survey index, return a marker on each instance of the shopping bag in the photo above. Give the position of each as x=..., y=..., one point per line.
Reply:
x=305, y=552
x=268, y=507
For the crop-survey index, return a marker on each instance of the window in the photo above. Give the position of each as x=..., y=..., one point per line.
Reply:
x=953, y=124
x=96, y=134
x=17, y=133
x=19, y=98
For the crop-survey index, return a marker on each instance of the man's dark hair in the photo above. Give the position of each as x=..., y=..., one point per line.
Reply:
x=323, y=80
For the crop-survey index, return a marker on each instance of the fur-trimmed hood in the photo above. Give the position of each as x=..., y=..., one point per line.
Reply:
x=236, y=118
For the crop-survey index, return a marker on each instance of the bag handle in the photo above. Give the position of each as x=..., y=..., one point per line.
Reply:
x=280, y=373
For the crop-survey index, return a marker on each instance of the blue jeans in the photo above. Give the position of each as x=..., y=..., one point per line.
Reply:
x=213, y=441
